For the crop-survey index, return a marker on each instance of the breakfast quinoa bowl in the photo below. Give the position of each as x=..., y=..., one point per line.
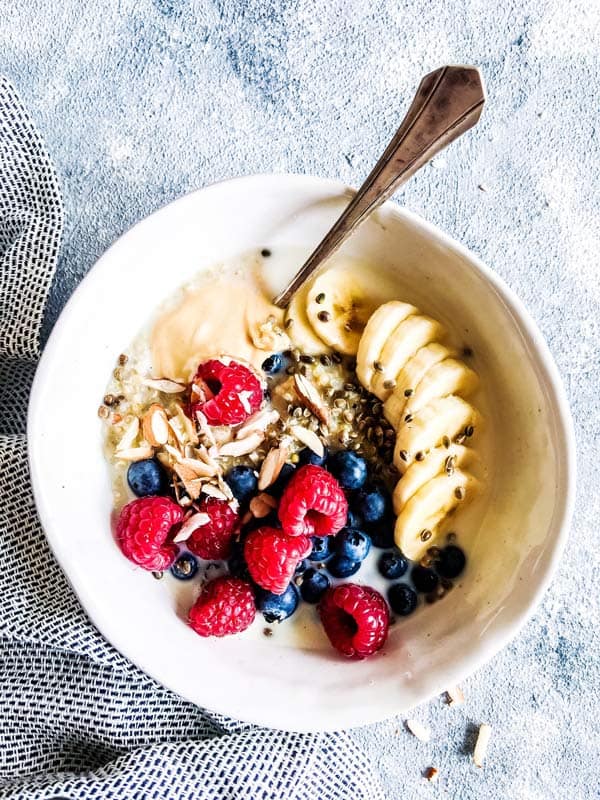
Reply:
x=320, y=466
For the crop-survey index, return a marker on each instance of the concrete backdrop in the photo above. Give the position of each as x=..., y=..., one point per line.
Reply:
x=142, y=100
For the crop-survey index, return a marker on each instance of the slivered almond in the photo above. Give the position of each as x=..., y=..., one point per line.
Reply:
x=419, y=730
x=164, y=385
x=272, y=466
x=262, y=505
x=309, y=438
x=241, y=447
x=259, y=421
x=201, y=469
x=183, y=427
x=455, y=696
x=481, y=745
x=203, y=454
x=155, y=426
x=222, y=434
x=135, y=453
x=193, y=484
x=189, y=526
x=129, y=435
x=213, y=491
x=205, y=428
x=311, y=398
x=225, y=488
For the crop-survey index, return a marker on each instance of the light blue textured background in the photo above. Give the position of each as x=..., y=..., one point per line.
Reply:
x=141, y=101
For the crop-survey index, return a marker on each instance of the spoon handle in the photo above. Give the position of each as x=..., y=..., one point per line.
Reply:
x=448, y=102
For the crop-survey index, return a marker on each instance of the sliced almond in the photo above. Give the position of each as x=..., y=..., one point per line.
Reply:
x=311, y=398
x=190, y=525
x=272, y=466
x=226, y=489
x=173, y=452
x=164, y=385
x=262, y=505
x=222, y=434
x=422, y=732
x=135, y=453
x=191, y=482
x=200, y=469
x=259, y=421
x=205, y=429
x=242, y=447
x=183, y=427
x=204, y=455
x=129, y=435
x=155, y=425
x=213, y=491
x=309, y=438
x=455, y=696
x=481, y=745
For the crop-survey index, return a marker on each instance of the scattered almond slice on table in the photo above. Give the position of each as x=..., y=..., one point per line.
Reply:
x=481, y=745
x=455, y=696
x=422, y=732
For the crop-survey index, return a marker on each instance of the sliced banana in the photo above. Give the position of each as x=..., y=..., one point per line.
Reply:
x=448, y=377
x=338, y=307
x=439, y=461
x=409, y=377
x=379, y=328
x=444, y=416
x=427, y=508
x=298, y=326
x=409, y=336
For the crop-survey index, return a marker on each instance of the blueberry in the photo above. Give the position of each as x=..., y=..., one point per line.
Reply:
x=146, y=477
x=272, y=364
x=321, y=548
x=402, y=599
x=308, y=456
x=302, y=567
x=237, y=563
x=373, y=503
x=451, y=562
x=243, y=483
x=277, y=607
x=185, y=567
x=342, y=567
x=348, y=468
x=276, y=489
x=354, y=520
x=424, y=580
x=392, y=565
x=382, y=532
x=352, y=544
x=314, y=585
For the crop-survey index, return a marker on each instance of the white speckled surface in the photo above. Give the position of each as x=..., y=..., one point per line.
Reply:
x=142, y=101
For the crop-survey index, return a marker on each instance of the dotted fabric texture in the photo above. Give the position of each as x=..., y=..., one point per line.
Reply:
x=78, y=720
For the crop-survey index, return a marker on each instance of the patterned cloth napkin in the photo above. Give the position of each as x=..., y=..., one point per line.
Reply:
x=77, y=719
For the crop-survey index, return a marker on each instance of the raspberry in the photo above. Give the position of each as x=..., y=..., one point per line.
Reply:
x=313, y=504
x=356, y=619
x=272, y=557
x=143, y=530
x=224, y=606
x=214, y=539
x=229, y=391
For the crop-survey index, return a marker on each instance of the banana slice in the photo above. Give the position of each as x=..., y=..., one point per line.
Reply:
x=421, y=472
x=379, y=328
x=410, y=335
x=299, y=328
x=444, y=416
x=428, y=507
x=448, y=377
x=338, y=307
x=409, y=377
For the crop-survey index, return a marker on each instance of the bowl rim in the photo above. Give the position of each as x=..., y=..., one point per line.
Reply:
x=565, y=436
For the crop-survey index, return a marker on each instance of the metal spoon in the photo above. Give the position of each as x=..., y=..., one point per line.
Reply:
x=448, y=102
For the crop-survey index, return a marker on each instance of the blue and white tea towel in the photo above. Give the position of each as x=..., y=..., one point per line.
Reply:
x=77, y=720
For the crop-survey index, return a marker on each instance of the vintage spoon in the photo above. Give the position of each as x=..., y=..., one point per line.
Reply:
x=448, y=102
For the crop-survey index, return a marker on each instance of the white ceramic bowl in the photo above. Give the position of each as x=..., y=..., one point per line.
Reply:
x=523, y=530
